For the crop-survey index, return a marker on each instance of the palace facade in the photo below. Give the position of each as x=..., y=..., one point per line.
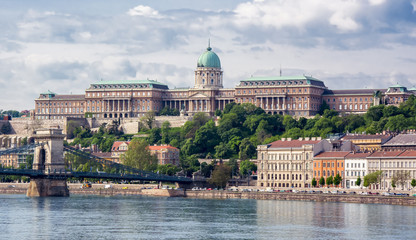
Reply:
x=294, y=95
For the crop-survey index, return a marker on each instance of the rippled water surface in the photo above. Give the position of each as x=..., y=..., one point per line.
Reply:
x=140, y=217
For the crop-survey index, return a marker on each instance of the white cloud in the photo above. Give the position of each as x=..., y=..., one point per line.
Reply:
x=144, y=11
x=376, y=2
x=346, y=43
x=344, y=23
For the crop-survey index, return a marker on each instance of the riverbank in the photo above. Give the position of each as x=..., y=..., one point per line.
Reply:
x=138, y=189
x=366, y=199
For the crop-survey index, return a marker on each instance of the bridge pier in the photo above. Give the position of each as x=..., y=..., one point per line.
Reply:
x=48, y=158
x=46, y=187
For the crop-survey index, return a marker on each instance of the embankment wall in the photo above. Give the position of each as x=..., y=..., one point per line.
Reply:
x=367, y=199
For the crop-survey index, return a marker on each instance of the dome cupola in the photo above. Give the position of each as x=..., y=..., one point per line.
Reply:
x=209, y=59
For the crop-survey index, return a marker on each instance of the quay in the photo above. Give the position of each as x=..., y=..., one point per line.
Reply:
x=138, y=189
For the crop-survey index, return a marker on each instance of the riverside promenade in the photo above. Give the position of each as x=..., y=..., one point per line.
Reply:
x=138, y=189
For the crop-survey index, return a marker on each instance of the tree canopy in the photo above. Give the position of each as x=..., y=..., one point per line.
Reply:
x=138, y=156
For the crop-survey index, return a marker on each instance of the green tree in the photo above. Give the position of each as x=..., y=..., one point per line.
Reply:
x=247, y=149
x=337, y=179
x=329, y=180
x=374, y=113
x=402, y=177
x=154, y=136
x=324, y=106
x=148, y=119
x=397, y=123
x=393, y=182
x=190, y=164
x=167, y=169
x=220, y=176
x=233, y=164
x=165, y=132
x=206, y=138
x=322, y=181
x=372, y=178
x=358, y=181
x=413, y=183
x=246, y=167
x=138, y=156
x=222, y=151
x=314, y=182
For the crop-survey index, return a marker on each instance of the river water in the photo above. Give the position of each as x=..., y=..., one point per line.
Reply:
x=142, y=217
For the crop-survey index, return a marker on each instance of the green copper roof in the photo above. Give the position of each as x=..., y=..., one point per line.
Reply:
x=48, y=92
x=129, y=82
x=280, y=78
x=209, y=59
x=397, y=86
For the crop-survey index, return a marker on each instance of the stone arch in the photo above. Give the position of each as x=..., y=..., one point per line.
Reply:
x=42, y=157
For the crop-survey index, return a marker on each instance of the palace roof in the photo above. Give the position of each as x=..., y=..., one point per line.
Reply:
x=283, y=81
x=76, y=97
x=128, y=84
x=352, y=92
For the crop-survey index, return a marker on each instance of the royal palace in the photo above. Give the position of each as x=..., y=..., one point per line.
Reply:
x=294, y=95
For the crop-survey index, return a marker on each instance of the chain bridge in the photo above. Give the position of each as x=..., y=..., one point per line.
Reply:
x=50, y=170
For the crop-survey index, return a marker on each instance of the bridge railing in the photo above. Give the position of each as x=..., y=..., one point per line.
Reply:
x=128, y=172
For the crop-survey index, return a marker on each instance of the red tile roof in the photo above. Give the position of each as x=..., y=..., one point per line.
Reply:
x=154, y=148
x=408, y=153
x=385, y=154
x=117, y=144
x=357, y=155
x=292, y=143
x=331, y=155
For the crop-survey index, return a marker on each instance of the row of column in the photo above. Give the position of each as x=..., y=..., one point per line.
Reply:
x=177, y=104
x=10, y=142
x=200, y=105
x=116, y=105
x=222, y=103
x=265, y=103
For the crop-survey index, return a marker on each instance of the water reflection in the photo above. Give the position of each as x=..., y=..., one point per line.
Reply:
x=94, y=217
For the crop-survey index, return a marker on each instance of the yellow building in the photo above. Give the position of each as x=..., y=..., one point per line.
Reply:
x=367, y=142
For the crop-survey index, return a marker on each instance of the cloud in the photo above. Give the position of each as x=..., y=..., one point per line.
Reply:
x=144, y=11
x=342, y=42
x=336, y=24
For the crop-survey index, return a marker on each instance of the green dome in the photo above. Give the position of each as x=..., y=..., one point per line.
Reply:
x=209, y=59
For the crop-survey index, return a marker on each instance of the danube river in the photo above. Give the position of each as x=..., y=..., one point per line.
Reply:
x=142, y=217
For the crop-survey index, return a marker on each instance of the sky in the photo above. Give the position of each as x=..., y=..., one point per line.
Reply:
x=64, y=46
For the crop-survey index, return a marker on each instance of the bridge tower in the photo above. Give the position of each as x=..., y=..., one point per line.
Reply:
x=48, y=158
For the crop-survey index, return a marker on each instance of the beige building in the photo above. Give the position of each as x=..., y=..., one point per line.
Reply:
x=392, y=163
x=166, y=154
x=50, y=105
x=288, y=163
x=294, y=95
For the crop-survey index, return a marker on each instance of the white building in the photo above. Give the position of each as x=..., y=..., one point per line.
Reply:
x=356, y=165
